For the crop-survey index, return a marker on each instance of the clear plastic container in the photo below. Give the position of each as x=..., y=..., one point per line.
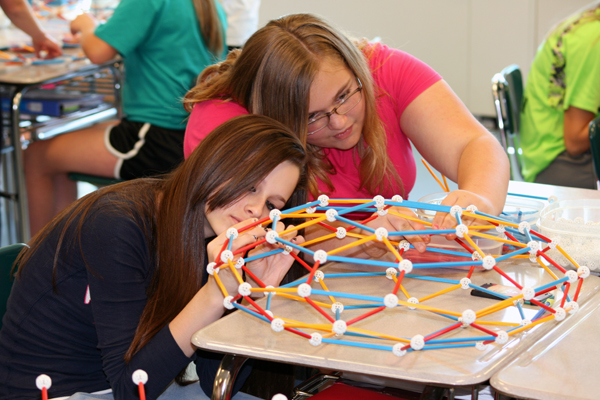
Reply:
x=576, y=226
x=516, y=209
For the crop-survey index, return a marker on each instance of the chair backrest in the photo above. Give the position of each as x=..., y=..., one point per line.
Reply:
x=594, y=129
x=8, y=255
x=507, y=90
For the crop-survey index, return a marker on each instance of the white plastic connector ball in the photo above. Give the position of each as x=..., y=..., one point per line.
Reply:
x=489, y=262
x=331, y=214
x=476, y=256
x=210, y=268
x=232, y=233
x=554, y=242
x=311, y=210
x=390, y=273
x=406, y=266
x=272, y=236
x=267, y=293
x=573, y=307
x=227, y=303
x=533, y=258
x=533, y=246
x=397, y=198
x=341, y=232
x=413, y=300
x=525, y=322
x=397, y=350
x=379, y=201
x=337, y=306
x=404, y=245
x=528, y=293
x=524, y=226
x=381, y=233
x=500, y=229
x=323, y=200
x=287, y=250
x=572, y=276
x=139, y=376
x=468, y=317
x=240, y=263
x=560, y=314
x=472, y=208
x=481, y=346
x=583, y=272
x=465, y=282
x=244, y=289
x=456, y=210
x=382, y=211
x=43, y=381
x=304, y=290
x=275, y=214
x=320, y=256
x=277, y=324
x=339, y=327
x=315, y=339
x=319, y=275
x=269, y=313
x=461, y=230
x=417, y=342
x=552, y=199
x=502, y=337
x=390, y=300
x=279, y=396
x=226, y=255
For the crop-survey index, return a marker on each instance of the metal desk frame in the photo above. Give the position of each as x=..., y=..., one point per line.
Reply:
x=14, y=188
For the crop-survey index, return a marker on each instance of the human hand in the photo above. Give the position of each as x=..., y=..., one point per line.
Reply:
x=226, y=276
x=271, y=270
x=47, y=44
x=394, y=220
x=463, y=199
x=83, y=23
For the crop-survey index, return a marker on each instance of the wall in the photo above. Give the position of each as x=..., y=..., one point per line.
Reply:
x=466, y=41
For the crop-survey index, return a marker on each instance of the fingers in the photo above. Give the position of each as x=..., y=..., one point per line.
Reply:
x=398, y=223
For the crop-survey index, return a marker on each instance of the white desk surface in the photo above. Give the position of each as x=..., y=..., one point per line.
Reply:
x=32, y=74
x=242, y=334
x=564, y=364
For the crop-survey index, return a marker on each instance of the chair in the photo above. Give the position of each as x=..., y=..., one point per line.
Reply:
x=507, y=90
x=8, y=255
x=595, y=144
x=97, y=181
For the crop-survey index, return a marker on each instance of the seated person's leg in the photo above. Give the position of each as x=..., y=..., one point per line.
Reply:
x=47, y=163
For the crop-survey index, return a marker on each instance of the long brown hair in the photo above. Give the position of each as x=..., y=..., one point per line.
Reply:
x=272, y=76
x=210, y=25
x=232, y=159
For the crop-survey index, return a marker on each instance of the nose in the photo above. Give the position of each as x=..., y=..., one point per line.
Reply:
x=337, y=121
x=254, y=208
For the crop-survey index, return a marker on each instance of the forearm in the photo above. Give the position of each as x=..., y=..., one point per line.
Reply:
x=576, y=130
x=21, y=15
x=484, y=169
x=205, y=308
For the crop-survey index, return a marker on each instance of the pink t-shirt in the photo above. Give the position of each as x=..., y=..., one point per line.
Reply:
x=399, y=77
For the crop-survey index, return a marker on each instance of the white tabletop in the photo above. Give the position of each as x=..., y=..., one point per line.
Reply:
x=564, y=364
x=33, y=74
x=243, y=334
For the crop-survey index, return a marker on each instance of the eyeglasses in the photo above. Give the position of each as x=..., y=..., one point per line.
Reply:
x=351, y=101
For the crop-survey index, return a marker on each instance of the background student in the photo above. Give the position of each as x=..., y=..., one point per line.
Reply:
x=561, y=98
x=164, y=49
x=118, y=281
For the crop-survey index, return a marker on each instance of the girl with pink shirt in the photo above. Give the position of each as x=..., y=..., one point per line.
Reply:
x=357, y=106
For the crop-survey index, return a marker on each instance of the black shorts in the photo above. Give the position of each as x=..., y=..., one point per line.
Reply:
x=144, y=149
